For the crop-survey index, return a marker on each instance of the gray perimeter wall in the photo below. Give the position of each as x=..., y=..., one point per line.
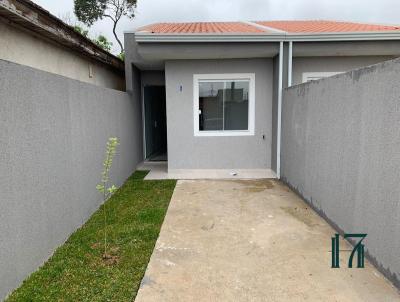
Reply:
x=185, y=151
x=326, y=64
x=52, y=143
x=341, y=152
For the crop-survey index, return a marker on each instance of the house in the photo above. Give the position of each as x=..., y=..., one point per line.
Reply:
x=206, y=97
x=31, y=36
x=212, y=91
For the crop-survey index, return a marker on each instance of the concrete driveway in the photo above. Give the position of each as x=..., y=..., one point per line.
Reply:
x=250, y=241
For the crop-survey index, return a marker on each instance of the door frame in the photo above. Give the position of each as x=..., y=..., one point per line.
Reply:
x=144, y=117
x=143, y=123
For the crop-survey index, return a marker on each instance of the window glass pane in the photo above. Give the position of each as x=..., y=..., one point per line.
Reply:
x=236, y=105
x=211, y=105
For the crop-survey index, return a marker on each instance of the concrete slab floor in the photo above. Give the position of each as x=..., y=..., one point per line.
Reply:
x=251, y=240
x=159, y=170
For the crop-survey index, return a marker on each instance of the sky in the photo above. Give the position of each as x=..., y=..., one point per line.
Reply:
x=151, y=11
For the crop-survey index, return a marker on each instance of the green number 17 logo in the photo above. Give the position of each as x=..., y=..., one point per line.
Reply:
x=359, y=248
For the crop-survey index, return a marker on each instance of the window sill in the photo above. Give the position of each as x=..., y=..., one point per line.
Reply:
x=224, y=133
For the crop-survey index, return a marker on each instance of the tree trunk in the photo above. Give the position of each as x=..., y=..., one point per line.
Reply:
x=116, y=37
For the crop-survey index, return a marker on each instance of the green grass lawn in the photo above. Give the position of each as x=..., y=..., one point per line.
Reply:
x=77, y=271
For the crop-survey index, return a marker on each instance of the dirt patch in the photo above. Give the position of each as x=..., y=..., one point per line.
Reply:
x=209, y=226
x=110, y=260
x=111, y=257
x=255, y=186
x=95, y=246
x=304, y=215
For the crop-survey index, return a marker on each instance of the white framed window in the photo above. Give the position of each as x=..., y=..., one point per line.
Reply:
x=224, y=104
x=312, y=76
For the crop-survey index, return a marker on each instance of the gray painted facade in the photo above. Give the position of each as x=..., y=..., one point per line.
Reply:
x=180, y=61
x=185, y=151
x=52, y=138
x=340, y=151
x=328, y=64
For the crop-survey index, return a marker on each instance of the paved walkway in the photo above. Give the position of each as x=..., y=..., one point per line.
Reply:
x=159, y=170
x=250, y=241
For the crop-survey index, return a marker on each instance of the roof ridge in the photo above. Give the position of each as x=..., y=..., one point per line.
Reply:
x=332, y=20
x=267, y=28
x=190, y=22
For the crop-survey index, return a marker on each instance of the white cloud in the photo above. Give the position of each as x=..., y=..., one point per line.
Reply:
x=150, y=11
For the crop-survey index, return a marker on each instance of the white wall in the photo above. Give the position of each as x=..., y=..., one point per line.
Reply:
x=19, y=46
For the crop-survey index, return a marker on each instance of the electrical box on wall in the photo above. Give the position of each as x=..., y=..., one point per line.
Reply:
x=90, y=71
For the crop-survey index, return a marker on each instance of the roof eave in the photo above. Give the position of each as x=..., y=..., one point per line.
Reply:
x=146, y=37
x=345, y=36
x=151, y=37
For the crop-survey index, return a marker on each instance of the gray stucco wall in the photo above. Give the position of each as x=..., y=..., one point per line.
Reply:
x=185, y=151
x=52, y=144
x=329, y=63
x=341, y=152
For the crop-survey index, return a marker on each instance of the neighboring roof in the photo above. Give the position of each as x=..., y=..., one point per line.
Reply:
x=265, y=31
x=33, y=17
x=324, y=26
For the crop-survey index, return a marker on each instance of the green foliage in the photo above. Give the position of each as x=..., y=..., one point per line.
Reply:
x=122, y=56
x=101, y=40
x=76, y=271
x=90, y=11
x=81, y=30
x=102, y=187
x=103, y=43
x=110, y=153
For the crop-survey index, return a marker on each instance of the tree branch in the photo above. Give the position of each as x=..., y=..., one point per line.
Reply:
x=108, y=16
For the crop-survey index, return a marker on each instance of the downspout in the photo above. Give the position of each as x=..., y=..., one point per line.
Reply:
x=290, y=62
x=278, y=135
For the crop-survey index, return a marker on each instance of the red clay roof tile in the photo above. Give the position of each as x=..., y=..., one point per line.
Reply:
x=324, y=26
x=202, y=28
x=247, y=28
